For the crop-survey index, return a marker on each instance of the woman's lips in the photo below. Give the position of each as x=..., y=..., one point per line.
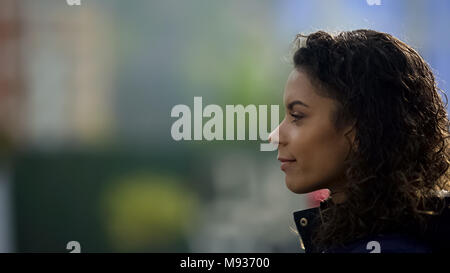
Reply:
x=286, y=163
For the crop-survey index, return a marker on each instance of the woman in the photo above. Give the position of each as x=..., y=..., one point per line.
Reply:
x=364, y=119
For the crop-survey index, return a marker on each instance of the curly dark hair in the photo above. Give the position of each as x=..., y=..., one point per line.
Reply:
x=399, y=159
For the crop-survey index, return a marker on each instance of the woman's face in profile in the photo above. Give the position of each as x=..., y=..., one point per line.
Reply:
x=310, y=149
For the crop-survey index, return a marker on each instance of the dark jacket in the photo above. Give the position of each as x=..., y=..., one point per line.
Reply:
x=435, y=239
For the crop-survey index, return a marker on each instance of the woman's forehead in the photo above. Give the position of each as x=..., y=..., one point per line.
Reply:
x=299, y=87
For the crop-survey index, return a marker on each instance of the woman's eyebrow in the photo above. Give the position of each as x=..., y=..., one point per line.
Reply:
x=291, y=105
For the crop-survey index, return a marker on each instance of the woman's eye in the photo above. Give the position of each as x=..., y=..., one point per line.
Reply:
x=296, y=117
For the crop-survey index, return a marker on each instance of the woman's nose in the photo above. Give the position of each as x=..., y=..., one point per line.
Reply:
x=274, y=137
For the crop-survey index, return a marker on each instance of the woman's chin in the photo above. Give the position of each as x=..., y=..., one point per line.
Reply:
x=296, y=186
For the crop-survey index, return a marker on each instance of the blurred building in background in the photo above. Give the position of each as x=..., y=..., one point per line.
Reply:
x=11, y=107
x=67, y=65
x=85, y=99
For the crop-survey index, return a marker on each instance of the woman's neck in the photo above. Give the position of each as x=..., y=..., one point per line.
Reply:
x=337, y=196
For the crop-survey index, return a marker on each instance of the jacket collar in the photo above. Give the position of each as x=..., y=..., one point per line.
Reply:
x=308, y=220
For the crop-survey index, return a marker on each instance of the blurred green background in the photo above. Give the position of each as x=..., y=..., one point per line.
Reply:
x=86, y=152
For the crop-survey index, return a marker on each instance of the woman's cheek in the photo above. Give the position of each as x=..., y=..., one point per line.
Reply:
x=301, y=146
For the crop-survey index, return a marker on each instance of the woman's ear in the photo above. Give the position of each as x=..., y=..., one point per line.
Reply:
x=350, y=134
